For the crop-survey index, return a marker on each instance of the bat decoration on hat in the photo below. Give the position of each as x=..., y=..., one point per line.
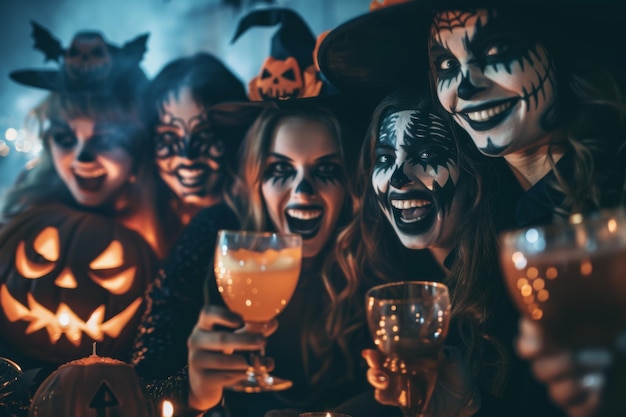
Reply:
x=89, y=64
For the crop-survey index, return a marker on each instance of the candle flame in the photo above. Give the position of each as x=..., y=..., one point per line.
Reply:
x=328, y=415
x=64, y=319
x=168, y=409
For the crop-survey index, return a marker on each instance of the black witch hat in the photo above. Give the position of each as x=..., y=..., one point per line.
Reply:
x=289, y=71
x=387, y=48
x=89, y=65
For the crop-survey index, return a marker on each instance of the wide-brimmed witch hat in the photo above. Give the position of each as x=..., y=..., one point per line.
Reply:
x=387, y=48
x=89, y=65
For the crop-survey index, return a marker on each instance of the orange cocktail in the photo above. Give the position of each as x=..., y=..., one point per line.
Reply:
x=257, y=285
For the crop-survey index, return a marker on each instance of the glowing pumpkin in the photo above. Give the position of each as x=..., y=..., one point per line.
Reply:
x=68, y=279
x=91, y=387
x=278, y=80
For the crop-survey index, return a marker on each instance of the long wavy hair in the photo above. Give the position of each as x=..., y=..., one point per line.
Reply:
x=247, y=200
x=368, y=252
x=42, y=184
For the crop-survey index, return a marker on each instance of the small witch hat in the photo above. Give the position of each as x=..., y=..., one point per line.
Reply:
x=89, y=65
x=289, y=71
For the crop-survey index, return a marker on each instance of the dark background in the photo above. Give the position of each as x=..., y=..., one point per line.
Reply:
x=177, y=28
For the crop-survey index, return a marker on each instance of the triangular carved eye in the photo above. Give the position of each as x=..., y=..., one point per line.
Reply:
x=289, y=75
x=111, y=257
x=47, y=244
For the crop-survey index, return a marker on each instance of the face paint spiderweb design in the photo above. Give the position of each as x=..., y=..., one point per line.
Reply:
x=497, y=80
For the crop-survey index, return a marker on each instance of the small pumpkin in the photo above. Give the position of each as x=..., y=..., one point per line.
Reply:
x=91, y=387
x=68, y=279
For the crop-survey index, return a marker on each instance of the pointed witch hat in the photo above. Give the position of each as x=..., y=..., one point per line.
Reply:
x=89, y=65
x=289, y=71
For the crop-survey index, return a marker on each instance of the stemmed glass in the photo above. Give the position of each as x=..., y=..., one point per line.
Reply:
x=569, y=277
x=409, y=322
x=257, y=273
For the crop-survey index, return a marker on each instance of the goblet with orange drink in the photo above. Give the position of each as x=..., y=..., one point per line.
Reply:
x=257, y=273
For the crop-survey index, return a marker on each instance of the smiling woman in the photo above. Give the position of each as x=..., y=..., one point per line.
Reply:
x=94, y=143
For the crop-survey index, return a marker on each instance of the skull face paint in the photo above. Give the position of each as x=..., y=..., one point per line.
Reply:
x=189, y=157
x=494, y=78
x=415, y=176
x=304, y=183
x=92, y=158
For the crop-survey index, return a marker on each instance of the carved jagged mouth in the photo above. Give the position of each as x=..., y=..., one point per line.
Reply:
x=278, y=94
x=64, y=320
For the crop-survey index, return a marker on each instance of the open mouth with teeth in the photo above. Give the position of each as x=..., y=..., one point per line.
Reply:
x=414, y=212
x=488, y=116
x=90, y=181
x=193, y=177
x=305, y=220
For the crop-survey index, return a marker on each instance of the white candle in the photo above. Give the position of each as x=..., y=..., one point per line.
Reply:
x=168, y=409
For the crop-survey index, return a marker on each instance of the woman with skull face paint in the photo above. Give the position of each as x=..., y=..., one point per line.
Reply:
x=546, y=96
x=293, y=180
x=84, y=272
x=439, y=200
x=92, y=135
x=192, y=158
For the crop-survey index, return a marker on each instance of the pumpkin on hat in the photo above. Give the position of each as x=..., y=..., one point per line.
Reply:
x=88, y=65
x=92, y=387
x=69, y=278
x=289, y=71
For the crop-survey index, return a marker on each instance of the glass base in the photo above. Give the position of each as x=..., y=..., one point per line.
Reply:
x=252, y=384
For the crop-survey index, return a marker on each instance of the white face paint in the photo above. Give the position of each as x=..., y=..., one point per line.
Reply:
x=497, y=82
x=93, y=159
x=189, y=156
x=304, y=182
x=415, y=176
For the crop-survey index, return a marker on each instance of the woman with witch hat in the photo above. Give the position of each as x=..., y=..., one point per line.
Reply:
x=528, y=85
x=311, y=173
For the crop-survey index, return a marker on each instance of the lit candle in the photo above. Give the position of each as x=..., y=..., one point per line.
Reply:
x=64, y=320
x=168, y=409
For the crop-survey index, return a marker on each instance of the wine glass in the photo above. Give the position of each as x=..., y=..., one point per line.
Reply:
x=409, y=322
x=569, y=277
x=257, y=273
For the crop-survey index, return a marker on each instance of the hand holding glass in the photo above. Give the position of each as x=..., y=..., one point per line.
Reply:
x=409, y=322
x=569, y=277
x=257, y=274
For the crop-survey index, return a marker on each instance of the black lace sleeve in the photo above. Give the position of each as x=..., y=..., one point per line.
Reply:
x=175, y=298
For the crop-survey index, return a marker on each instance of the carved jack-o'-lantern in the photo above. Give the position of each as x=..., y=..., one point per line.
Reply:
x=88, y=58
x=91, y=387
x=69, y=278
x=278, y=80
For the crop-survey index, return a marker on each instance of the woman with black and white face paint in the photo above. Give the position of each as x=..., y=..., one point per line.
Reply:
x=415, y=179
x=538, y=84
